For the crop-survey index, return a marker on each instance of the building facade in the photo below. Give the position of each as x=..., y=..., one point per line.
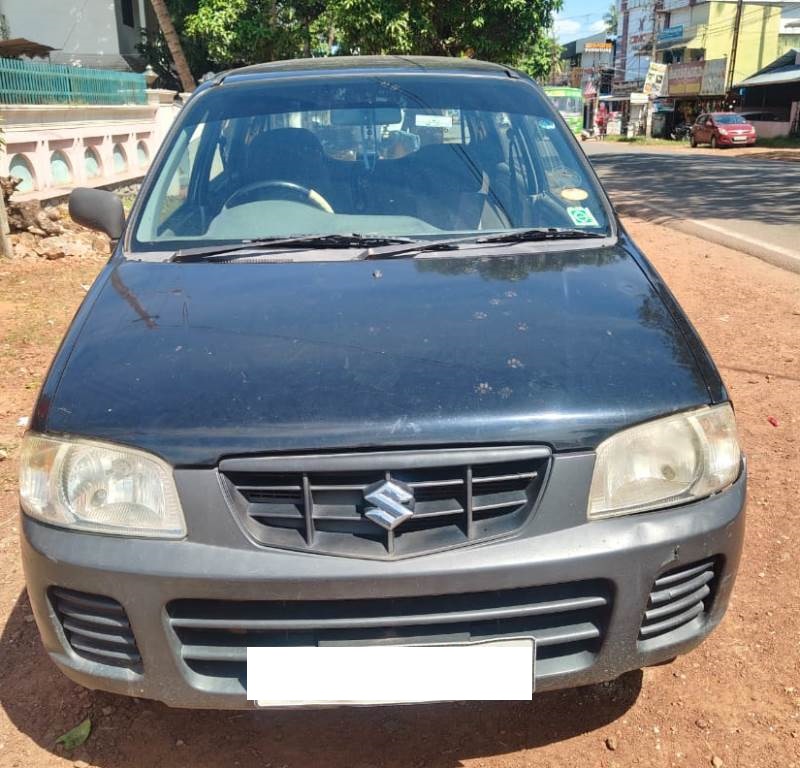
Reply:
x=708, y=46
x=94, y=33
x=693, y=31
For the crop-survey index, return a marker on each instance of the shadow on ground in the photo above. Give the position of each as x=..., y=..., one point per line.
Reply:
x=703, y=186
x=129, y=733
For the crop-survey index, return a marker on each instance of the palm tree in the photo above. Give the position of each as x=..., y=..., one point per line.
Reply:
x=174, y=44
x=611, y=19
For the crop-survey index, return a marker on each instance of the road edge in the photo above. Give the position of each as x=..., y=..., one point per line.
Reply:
x=778, y=257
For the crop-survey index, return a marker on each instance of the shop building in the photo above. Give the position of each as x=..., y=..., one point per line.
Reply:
x=689, y=32
x=773, y=93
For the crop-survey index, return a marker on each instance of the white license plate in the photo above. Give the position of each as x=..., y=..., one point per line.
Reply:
x=740, y=138
x=493, y=670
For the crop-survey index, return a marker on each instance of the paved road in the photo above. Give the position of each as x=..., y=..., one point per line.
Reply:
x=753, y=201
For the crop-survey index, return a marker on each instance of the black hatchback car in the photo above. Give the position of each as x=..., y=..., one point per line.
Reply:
x=374, y=364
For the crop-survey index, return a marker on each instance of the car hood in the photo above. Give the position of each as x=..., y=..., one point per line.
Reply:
x=737, y=127
x=198, y=361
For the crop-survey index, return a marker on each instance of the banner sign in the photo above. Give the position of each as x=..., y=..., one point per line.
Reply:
x=654, y=82
x=671, y=34
x=713, y=83
x=686, y=78
x=597, y=47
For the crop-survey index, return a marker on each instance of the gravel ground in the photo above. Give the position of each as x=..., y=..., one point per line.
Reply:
x=735, y=701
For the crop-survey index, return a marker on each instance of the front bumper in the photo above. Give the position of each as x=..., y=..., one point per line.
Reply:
x=607, y=568
x=728, y=141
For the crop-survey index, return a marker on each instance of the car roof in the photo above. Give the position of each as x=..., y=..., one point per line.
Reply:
x=364, y=65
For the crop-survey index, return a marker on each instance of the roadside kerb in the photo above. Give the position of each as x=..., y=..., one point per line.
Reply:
x=772, y=254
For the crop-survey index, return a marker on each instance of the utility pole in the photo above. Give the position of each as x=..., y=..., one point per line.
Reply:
x=648, y=126
x=737, y=23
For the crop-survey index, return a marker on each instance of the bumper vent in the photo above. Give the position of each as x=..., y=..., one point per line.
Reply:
x=320, y=503
x=96, y=628
x=679, y=597
x=568, y=622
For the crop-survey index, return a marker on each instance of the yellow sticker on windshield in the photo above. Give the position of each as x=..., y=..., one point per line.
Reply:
x=574, y=193
x=582, y=216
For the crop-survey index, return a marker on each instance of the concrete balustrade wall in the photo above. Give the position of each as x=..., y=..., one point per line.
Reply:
x=56, y=147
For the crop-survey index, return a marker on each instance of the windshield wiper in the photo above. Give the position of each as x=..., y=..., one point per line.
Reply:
x=416, y=246
x=512, y=236
x=226, y=252
x=541, y=233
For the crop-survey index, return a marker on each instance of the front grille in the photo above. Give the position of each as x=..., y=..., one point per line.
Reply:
x=96, y=627
x=318, y=503
x=567, y=620
x=679, y=597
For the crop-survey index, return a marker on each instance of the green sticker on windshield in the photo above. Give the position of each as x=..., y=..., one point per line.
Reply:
x=582, y=216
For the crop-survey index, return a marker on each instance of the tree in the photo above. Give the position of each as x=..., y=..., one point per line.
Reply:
x=240, y=32
x=174, y=44
x=498, y=30
x=611, y=19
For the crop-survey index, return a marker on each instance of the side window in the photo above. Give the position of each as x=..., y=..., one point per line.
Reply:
x=556, y=159
x=178, y=183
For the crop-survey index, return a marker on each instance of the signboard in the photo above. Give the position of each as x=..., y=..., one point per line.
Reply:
x=671, y=34
x=713, y=82
x=632, y=54
x=597, y=47
x=654, y=82
x=639, y=98
x=686, y=78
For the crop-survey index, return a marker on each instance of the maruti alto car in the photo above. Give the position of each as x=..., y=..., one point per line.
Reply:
x=374, y=363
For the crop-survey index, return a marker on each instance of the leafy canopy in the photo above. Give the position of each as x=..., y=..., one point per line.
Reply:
x=237, y=32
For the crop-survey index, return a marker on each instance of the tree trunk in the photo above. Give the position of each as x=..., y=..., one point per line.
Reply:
x=174, y=44
x=6, y=249
x=272, y=16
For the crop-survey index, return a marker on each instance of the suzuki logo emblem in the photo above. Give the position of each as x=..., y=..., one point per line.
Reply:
x=393, y=504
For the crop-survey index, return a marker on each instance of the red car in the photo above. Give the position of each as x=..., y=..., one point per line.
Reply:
x=722, y=129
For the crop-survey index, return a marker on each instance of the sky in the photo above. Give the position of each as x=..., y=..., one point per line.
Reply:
x=579, y=18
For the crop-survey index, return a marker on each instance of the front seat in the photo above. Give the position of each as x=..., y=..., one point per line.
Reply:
x=287, y=154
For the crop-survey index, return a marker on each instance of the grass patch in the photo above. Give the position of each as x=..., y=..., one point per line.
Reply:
x=780, y=142
x=647, y=141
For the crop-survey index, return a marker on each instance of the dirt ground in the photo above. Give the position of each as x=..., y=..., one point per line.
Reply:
x=736, y=699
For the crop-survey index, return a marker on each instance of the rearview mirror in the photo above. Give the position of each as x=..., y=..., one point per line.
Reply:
x=98, y=209
x=366, y=116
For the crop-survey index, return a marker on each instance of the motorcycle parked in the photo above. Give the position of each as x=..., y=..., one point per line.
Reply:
x=681, y=132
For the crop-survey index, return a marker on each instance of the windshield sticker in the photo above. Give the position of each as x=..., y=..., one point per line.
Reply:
x=547, y=125
x=582, y=216
x=433, y=121
x=574, y=193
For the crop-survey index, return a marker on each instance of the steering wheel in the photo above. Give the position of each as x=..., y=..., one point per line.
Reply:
x=287, y=190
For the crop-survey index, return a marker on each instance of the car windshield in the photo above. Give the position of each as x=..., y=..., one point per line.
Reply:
x=728, y=119
x=414, y=156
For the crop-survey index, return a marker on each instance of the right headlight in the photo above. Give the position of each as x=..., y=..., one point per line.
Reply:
x=665, y=462
x=88, y=485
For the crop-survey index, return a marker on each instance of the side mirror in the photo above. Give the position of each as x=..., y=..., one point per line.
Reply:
x=98, y=209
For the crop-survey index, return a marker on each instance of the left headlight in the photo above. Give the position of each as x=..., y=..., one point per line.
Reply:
x=666, y=462
x=92, y=486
